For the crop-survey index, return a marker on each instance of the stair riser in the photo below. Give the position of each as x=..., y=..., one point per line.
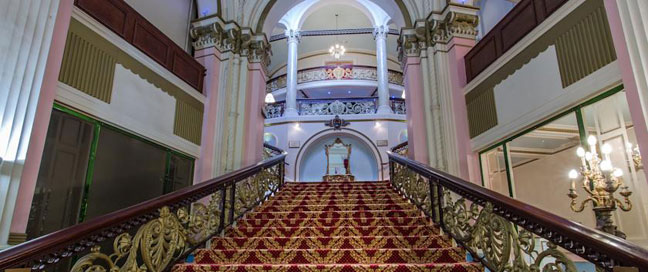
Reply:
x=386, y=242
x=339, y=189
x=286, y=202
x=460, y=267
x=340, y=214
x=376, y=221
x=319, y=256
x=285, y=197
x=334, y=208
x=325, y=232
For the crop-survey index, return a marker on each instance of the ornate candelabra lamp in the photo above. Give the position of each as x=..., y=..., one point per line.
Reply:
x=600, y=180
x=636, y=156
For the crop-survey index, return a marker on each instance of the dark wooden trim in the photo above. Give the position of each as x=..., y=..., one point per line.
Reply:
x=521, y=20
x=399, y=146
x=122, y=19
x=91, y=231
x=590, y=244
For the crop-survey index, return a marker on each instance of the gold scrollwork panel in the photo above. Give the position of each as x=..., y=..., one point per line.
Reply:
x=170, y=234
x=502, y=245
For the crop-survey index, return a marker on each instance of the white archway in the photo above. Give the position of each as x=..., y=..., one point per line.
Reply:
x=366, y=161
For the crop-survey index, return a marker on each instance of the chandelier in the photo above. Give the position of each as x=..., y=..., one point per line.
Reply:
x=337, y=50
x=600, y=180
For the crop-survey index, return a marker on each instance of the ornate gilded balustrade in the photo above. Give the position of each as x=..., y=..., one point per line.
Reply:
x=505, y=234
x=348, y=72
x=340, y=106
x=153, y=235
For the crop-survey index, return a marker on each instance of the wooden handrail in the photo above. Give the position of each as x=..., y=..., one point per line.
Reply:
x=94, y=230
x=399, y=146
x=599, y=247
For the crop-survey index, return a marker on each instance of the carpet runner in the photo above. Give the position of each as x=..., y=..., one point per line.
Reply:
x=351, y=226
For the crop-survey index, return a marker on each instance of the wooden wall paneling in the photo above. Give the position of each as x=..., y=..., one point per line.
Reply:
x=521, y=20
x=136, y=30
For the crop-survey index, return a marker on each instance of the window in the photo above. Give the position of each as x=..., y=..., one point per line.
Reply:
x=533, y=166
x=74, y=186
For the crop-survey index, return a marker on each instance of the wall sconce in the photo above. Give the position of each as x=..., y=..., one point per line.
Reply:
x=403, y=95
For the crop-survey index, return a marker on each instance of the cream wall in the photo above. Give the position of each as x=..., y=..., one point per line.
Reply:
x=170, y=16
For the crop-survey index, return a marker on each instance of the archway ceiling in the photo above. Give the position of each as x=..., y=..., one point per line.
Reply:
x=324, y=18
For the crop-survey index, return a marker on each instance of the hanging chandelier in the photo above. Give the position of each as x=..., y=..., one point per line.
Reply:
x=337, y=50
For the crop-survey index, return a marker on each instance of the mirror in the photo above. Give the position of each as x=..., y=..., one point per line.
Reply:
x=337, y=158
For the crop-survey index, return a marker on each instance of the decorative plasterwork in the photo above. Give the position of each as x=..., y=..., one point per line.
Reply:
x=230, y=37
x=453, y=22
x=327, y=73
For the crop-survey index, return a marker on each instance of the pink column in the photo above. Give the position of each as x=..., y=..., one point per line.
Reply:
x=459, y=47
x=254, y=120
x=627, y=75
x=210, y=58
x=42, y=118
x=417, y=144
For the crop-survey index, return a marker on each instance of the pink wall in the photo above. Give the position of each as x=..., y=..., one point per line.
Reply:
x=42, y=118
x=210, y=59
x=254, y=120
x=627, y=75
x=459, y=47
x=416, y=127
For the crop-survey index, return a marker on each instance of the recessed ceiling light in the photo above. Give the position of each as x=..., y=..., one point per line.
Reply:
x=329, y=92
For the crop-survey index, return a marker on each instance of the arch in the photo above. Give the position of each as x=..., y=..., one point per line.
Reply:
x=331, y=133
x=275, y=10
x=295, y=17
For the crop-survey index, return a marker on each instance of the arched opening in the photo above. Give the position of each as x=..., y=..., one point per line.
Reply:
x=364, y=160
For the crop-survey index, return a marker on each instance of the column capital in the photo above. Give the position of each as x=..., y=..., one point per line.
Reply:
x=381, y=32
x=412, y=40
x=454, y=23
x=293, y=35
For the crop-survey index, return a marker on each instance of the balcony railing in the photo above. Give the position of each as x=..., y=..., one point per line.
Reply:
x=521, y=20
x=349, y=72
x=155, y=234
x=505, y=234
x=343, y=106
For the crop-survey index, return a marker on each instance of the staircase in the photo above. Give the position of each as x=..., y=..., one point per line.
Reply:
x=354, y=226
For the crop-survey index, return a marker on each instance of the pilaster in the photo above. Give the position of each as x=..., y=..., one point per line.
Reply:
x=236, y=59
x=32, y=36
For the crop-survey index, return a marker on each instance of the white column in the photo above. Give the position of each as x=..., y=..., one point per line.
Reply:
x=380, y=35
x=291, y=73
x=26, y=29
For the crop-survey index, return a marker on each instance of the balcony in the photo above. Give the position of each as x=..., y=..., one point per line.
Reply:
x=341, y=106
x=329, y=73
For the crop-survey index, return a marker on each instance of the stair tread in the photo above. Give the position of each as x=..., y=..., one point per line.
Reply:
x=333, y=226
x=454, y=267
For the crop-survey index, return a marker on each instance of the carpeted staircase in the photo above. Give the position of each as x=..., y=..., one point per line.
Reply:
x=357, y=226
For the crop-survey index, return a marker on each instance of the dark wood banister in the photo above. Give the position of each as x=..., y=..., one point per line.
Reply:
x=40, y=247
x=597, y=243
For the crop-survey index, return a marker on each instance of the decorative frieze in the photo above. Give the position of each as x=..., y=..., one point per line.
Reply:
x=230, y=37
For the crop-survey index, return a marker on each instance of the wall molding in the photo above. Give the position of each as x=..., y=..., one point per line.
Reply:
x=586, y=88
x=102, y=111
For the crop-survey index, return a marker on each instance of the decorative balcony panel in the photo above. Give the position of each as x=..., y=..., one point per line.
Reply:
x=337, y=107
x=342, y=106
x=346, y=72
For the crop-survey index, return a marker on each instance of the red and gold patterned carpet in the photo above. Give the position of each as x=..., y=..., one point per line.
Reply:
x=355, y=226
